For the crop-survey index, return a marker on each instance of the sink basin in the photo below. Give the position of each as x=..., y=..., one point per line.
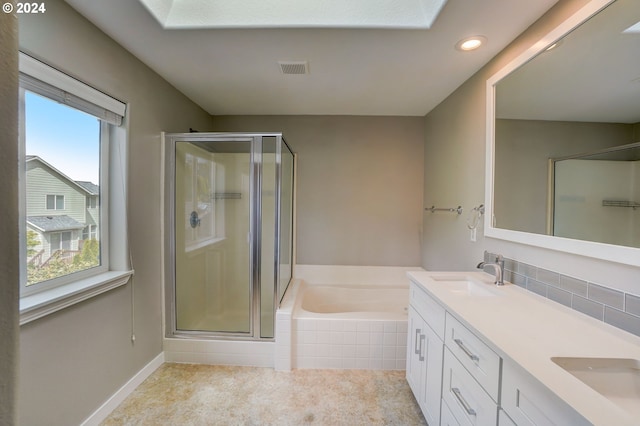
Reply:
x=617, y=379
x=464, y=285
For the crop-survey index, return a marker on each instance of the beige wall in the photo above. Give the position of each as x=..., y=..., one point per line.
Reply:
x=359, y=185
x=454, y=176
x=73, y=360
x=455, y=155
x=9, y=260
x=454, y=172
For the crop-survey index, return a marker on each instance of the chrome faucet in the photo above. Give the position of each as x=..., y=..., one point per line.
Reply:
x=498, y=269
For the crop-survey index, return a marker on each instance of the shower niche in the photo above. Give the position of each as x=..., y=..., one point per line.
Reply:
x=229, y=233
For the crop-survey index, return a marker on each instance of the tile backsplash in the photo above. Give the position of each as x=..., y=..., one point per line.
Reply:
x=614, y=307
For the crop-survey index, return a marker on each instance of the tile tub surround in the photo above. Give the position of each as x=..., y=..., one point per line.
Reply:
x=324, y=343
x=349, y=344
x=187, y=394
x=612, y=306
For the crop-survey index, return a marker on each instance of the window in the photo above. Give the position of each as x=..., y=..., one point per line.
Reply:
x=201, y=174
x=72, y=190
x=62, y=146
x=55, y=202
x=60, y=241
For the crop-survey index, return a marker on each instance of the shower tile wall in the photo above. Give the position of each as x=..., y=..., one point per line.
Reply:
x=612, y=306
x=282, y=357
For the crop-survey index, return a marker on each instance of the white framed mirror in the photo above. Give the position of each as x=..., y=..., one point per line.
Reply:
x=580, y=96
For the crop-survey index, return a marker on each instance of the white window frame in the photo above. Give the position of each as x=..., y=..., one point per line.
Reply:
x=92, y=201
x=55, y=202
x=193, y=241
x=60, y=241
x=41, y=299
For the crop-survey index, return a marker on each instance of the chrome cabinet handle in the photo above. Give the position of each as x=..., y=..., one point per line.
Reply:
x=416, y=348
x=470, y=411
x=422, y=339
x=466, y=350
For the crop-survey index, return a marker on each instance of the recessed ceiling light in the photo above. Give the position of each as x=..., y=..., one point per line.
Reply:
x=553, y=46
x=634, y=29
x=471, y=43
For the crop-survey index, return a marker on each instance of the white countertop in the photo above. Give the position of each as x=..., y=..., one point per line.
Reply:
x=530, y=329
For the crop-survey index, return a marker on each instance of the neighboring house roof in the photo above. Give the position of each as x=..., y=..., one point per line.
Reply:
x=54, y=223
x=88, y=187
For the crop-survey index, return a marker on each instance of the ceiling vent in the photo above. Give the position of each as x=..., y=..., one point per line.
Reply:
x=298, y=67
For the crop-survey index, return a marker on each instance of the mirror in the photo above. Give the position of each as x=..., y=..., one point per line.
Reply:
x=576, y=91
x=594, y=196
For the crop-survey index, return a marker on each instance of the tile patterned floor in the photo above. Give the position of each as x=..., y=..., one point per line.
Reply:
x=188, y=394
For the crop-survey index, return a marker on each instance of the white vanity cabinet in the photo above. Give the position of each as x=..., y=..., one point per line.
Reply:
x=424, y=352
x=471, y=377
x=474, y=354
x=496, y=365
x=529, y=403
x=446, y=416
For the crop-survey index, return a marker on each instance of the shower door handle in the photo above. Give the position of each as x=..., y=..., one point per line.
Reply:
x=194, y=220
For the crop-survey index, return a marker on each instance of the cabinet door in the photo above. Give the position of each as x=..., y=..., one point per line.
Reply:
x=424, y=366
x=433, y=351
x=415, y=365
x=504, y=420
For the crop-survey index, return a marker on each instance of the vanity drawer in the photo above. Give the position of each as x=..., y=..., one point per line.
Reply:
x=481, y=361
x=446, y=416
x=428, y=308
x=468, y=402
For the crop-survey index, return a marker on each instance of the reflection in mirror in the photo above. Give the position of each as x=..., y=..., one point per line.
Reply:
x=605, y=209
x=581, y=96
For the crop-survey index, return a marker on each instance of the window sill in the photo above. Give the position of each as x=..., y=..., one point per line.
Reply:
x=49, y=301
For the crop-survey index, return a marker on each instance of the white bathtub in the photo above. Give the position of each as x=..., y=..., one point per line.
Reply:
x=347, y=326
x=344, y=317
x=352, y=302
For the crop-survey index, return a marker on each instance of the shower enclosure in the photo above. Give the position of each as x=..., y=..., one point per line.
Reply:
x=229, y=233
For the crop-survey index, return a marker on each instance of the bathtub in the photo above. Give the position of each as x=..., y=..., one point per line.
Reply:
x=348, y=302
x=350, y=326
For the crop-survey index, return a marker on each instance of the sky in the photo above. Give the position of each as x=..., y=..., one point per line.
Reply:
x=64, y=137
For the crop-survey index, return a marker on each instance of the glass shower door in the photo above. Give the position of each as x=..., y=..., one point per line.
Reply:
x=213, y=204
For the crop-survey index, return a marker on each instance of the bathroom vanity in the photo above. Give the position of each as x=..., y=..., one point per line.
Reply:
x=479, y=354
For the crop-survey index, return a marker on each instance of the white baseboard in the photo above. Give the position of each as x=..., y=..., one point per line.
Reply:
x=121, y=394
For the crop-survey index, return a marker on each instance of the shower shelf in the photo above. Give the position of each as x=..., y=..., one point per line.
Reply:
x=226, y=195
x=620, y=203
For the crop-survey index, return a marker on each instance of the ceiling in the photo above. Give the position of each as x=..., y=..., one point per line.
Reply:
x=352, y=71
